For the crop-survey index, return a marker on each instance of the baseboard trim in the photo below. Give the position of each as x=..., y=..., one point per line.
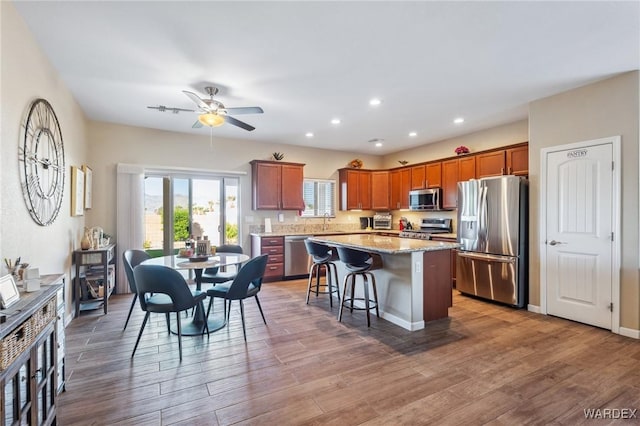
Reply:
x=533, y=308
x=411, y=326
x=629, y=332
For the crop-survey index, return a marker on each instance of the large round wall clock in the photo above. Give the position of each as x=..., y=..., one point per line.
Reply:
x=42, y=170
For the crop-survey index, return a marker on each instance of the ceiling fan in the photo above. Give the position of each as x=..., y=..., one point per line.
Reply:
x=212, y=112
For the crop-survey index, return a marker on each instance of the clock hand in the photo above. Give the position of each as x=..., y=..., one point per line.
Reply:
x=46, y=163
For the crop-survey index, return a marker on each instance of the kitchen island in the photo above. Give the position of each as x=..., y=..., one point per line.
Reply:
x=414, y=285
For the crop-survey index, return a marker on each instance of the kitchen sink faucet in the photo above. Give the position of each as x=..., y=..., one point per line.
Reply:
x=324, y=221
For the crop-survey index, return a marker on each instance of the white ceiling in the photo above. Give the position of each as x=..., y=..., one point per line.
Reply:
x=307, y=62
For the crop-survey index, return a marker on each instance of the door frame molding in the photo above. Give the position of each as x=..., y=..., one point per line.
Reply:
x=615, y=142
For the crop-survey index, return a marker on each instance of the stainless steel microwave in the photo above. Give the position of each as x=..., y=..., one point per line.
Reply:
x=425, y=199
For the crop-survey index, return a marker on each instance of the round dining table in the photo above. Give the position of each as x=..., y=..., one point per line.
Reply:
x=220, y=259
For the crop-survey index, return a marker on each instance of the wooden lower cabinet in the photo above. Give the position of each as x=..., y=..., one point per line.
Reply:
x=274, y=247
x=454, y=258
x=437, y=295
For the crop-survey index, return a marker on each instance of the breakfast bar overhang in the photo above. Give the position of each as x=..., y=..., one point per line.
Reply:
x=414, y=282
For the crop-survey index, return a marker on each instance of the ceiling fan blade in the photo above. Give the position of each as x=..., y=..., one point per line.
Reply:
x=195, y=98
x=197, y=124
x=244, y=110
x=238, y=123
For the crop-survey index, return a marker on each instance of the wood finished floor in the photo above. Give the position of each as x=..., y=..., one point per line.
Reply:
x=486, y=364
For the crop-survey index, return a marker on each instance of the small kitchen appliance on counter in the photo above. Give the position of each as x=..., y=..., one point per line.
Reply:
x=382, y=221
x=427, y=227
x=366, y=222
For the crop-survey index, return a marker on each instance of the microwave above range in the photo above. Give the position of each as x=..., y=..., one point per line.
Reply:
x=425, y=199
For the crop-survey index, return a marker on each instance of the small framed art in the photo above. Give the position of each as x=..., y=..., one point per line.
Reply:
x=9, y=293
x=77, y=191
x=88, y=182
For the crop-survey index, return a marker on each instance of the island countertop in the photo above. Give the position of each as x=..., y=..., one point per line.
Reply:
x=384, y=244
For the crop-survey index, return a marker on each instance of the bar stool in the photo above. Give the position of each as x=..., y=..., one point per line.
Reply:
x=322, y=256
x=358, y=263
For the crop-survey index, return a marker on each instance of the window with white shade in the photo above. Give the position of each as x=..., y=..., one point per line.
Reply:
x=319, y=197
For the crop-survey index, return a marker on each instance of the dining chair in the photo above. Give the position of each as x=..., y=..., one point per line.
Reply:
x=214, y=275
x=155, y=283
x=132, y=258
x=247, y=283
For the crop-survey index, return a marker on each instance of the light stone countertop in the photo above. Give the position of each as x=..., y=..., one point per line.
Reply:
x=446, y=235
x=383, y=244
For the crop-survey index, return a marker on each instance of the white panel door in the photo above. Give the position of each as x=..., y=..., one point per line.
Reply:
x=579, y=247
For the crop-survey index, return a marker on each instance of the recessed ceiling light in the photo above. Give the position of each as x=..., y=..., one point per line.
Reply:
x=309, y=134
x=335, y=121
x=459, y=120
x=376, y=141
x=413, y=134
x=375, y=102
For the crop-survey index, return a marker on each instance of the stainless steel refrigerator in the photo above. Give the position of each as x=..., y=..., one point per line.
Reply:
x=493, y=230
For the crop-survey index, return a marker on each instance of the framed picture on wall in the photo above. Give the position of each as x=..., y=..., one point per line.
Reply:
x=88, y=181
x=77, y=191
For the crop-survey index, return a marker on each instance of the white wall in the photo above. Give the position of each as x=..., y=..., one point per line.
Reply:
x=26, y=74
x=495, y=137
x=606, y=108
x=110, y=144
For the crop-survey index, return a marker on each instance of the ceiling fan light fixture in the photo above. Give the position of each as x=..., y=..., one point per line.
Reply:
x=210, y=119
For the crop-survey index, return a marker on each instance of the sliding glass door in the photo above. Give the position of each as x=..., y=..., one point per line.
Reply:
x=178, y=207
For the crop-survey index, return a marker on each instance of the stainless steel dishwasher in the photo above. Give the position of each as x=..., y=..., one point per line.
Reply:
x=296, y=259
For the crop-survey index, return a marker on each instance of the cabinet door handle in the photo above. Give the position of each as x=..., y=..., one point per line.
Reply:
x=501, y=170
x=509, y=170
x=273, y=268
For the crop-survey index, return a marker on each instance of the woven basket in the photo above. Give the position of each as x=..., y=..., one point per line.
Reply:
x=43, y=316
x=16, y=342
x=25, y=334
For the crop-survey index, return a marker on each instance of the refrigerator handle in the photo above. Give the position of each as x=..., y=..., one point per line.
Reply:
x=487, y=257
x=482, y=215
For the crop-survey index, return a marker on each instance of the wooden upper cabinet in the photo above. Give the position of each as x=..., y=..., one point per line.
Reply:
x=490, y=164
x=380, y=190
x=400, y=187
x=434, y=175
x=518, y=160
x=355, y=189
x=291, y=187
x=450, y=179
x=418, y=177
x=276, y=185
x=466, y=168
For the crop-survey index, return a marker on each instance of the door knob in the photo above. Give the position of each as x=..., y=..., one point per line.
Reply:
x=554, y=242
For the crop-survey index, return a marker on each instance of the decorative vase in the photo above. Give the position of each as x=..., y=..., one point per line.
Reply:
x=85, y=243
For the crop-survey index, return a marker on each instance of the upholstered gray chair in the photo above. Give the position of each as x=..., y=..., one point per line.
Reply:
x=155, y=283
x=247, y=283
x=131, y=259
x=215, y=275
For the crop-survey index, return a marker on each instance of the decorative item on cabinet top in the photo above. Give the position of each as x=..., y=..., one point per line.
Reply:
x=403, y=162
x=356, y=163
x=461, y=150
x=278, y=156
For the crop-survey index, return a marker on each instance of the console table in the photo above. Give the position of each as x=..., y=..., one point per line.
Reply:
x=29, y=356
